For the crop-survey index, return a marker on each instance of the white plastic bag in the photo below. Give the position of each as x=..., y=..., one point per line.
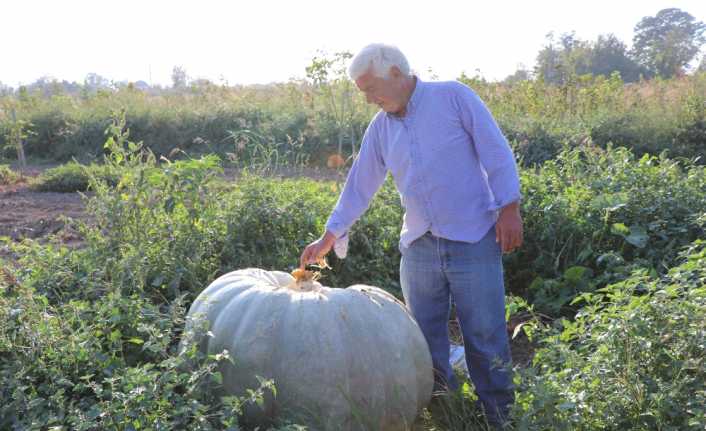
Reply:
x=340, y=247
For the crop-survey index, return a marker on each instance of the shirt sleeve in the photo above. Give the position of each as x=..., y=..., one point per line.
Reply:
x=492, y=148
x=364, y=179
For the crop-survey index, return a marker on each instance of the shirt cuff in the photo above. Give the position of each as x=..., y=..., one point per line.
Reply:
x=502, y=203
x=340, y=246
x=337, y=229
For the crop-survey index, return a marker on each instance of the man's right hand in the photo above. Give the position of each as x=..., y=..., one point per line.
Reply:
x=315, y=252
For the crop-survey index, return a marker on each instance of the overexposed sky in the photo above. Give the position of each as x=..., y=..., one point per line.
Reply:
x=261, y=41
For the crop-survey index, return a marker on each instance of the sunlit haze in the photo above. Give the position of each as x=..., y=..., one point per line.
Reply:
x=265, y=41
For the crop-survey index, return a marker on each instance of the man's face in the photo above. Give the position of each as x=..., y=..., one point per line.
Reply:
x=387, y=93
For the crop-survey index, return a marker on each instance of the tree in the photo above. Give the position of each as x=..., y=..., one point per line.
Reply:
x=521, y=74
x=559, y=60
x=46, y=86
x=549, y=62
x=562, y=59
x=664, y=44
x=179, y=77
x=327, y=74
x=141, y=85
x=5, y=90
x=95, y=82
x=16, y=131
x=610, y=54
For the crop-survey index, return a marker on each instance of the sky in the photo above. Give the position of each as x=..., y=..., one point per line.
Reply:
x=263, y=41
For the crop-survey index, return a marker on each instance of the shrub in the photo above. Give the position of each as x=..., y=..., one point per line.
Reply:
x=648, y=117
x=632, y=359
x=592, y=213
x=72, y=177
x=273, y=220
x=104, y=364
x=8, y=176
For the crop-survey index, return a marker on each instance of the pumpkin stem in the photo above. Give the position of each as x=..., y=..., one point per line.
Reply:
x=305, y=280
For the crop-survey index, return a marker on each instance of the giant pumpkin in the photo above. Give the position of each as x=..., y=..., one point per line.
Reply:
x=341, y=359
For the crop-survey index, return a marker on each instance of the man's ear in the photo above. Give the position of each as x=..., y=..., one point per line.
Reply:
x=395, y=72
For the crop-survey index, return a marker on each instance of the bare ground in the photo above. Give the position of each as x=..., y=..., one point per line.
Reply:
x=25, y=213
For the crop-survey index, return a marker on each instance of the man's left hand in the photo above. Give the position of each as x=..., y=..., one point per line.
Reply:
x=508, y=229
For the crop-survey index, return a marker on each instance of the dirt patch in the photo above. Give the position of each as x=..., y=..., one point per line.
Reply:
x=25, y=213
x=522, y=350
x=28, y=214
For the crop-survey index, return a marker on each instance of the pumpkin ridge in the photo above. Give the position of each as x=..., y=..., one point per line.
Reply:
x=359, y=360
x=209, y=304
x=243, y=300
x=280, y=306
x=297, y=327
x=379, y=354
x=343, y=331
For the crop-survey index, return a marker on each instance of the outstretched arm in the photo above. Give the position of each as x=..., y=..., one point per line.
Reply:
x=364, y=179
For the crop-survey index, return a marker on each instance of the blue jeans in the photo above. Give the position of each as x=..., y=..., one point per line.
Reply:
x=435, y=270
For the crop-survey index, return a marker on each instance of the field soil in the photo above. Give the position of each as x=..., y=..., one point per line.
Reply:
x=25, y=213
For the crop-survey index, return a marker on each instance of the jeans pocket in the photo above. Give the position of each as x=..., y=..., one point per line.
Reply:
x=485, y=251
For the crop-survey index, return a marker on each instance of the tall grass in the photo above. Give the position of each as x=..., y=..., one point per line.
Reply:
x=648, y=116
x=538, y=118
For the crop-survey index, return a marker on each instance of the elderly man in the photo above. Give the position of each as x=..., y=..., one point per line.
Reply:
x=459, y=186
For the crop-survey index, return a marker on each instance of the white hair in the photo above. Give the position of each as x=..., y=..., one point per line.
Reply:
x=379, y=58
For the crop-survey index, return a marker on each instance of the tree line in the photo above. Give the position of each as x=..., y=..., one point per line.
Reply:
x=663, y=45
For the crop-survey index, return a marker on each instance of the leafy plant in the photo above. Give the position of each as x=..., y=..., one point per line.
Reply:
x=8, y=176
x=73, y=177
x=631, y=360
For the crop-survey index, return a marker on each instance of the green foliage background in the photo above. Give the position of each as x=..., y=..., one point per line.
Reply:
x=310, y=118
x=614, y=256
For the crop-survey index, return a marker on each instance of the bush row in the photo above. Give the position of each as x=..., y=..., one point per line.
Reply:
x=539, y=119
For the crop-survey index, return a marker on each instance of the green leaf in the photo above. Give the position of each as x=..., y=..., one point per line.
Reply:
x=109, y=143
x=169, y=205
x=536, y=284
x=585, y=254
x=217, y=377
x=566, y=406
x=609, y=202
x=575, y=273
x=158, y=281
x=638, y=236
x=466, y=389
x=620, y=229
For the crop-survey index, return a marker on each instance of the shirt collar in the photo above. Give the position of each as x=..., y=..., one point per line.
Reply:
x=413, y=102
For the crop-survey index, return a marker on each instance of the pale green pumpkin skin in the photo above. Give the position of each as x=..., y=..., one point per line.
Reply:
x=341, y=359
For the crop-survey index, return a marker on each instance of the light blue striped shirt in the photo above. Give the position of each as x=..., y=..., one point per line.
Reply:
x=450, y=162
